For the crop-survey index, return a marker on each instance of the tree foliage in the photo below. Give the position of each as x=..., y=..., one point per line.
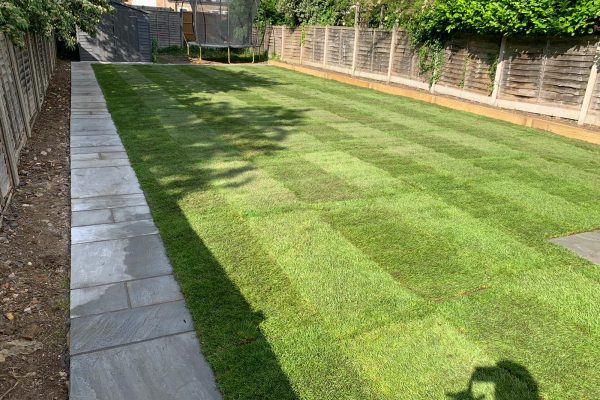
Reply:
x=48, y=17
x=339, y=12
x=433, y=20
x=505, y=17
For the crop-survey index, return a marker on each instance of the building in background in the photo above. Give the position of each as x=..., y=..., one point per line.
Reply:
x=175, y=5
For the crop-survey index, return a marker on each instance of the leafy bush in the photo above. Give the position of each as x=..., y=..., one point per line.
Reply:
x=434, y=20
x=507, y=17
x=48, y=17
x=154, y=50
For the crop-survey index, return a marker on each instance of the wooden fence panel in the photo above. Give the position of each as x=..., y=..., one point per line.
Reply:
x=15, y=134
x=483, y=59
x=406, y=59
x=274, y=42
x=333, y=47
x=346, y=47
x=469, y=61
x=523, y=70
x=548, y=71
x=5, y=174
x=318, y=45
x=373, y=51
x=26, y=81
x=24, y=77
x=567, y=70
x=165, y=27
x=291, y=51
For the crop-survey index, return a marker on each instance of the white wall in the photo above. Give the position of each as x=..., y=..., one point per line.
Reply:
x=150, y=3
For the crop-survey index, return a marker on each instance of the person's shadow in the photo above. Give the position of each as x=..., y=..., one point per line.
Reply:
x=511, y=381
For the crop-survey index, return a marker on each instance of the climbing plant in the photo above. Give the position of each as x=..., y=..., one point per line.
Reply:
x=50, y=17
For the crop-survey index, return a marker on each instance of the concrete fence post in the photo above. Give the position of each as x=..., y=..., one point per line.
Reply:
x=314, y=40
x=356, y=36
x=589, y=91
x=543, y=70
x=325, y=47
x=499, y=71
x=302, y=39
x=392, y=52
x=282, y=42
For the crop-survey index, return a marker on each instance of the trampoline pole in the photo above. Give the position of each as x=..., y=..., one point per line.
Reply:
x=252, y=55
x=200, y=53
x=228, y=55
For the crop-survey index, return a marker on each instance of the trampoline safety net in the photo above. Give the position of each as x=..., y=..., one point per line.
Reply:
x=224, y=23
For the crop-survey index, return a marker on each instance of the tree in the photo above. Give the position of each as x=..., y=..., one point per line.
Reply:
x=50, y=17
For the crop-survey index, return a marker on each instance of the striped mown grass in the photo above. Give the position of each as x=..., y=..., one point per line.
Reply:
x=338, y=243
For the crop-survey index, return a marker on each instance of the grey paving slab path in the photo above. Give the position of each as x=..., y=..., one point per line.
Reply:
x=586, y=244
x=131, y=335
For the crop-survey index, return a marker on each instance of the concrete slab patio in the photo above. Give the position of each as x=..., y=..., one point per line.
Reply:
x=132, y=336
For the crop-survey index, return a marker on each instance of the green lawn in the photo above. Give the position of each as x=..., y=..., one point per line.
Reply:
x=338, y=243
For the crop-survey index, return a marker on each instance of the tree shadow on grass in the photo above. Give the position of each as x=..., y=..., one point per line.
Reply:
x=171, y=166
x=511, y=381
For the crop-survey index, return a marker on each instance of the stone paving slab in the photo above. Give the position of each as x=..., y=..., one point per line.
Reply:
x=102, y=149
x=109, y=181
x=114, y=374
x=110, y=215
x=83, y=105
x=133, y=325
x=94, y=132
x=96, y=141
x=136, y=213
x=98, y=300
x=110, y=162
x=99, y=156
x=80, y=125
x=85, y=156
x=131, y=334
x=89, y=114
x=96, y=203
x=118, y=261
x=161, y=289
x=586, y=245
x=91, y=217
x=121, y=230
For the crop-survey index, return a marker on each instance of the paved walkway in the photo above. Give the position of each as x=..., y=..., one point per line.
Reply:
x=131, y=336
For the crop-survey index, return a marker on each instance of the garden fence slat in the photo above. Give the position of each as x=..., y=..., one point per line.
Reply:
x=165, y=27
x=24, y=77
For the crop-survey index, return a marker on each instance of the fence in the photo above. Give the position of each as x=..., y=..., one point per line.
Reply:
x=166, y=26
x=24, y=77
x=549, y=76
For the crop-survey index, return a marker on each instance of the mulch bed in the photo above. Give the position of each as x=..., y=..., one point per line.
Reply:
x=35, y=258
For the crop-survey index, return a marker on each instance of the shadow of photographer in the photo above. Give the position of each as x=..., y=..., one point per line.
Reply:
x=511, y=381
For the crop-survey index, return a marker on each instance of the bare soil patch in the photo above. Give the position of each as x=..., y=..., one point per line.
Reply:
x=35, y=258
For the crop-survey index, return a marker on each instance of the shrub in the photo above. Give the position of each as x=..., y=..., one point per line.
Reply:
x=50, y=17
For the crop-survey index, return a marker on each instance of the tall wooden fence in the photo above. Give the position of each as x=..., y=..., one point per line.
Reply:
x=166, y=26
x=24, y=77
x=548, y=76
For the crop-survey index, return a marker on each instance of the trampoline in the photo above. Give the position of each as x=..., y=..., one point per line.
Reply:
x=224, y=23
